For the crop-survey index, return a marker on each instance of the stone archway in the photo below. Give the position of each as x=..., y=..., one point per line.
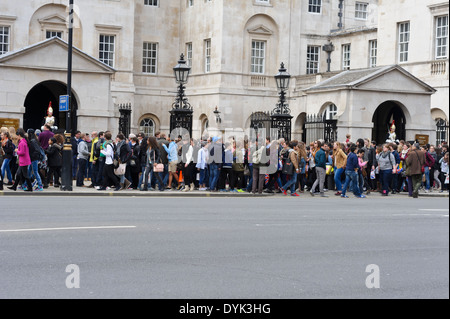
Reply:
x=37, y=102
x=383, y=117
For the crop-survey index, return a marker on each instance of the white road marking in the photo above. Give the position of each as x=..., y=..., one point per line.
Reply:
x=64, y=228
x=434, y=210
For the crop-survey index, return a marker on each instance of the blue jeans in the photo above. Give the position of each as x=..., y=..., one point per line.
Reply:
x=427, y=177
x=250, y=178
x=386, y=178
x=337, y=178
x=202, y=177
x=213, y=176
x=5, y=166
x=351, y=176
x=291, y=183
x=33, y=169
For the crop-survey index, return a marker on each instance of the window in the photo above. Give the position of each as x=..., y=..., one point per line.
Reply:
x=147, y=127
x=152, y=3
x=189, y=55
x=190, y=3
x=106, y=49
x=373, y=44
x=51, y=34
x=315, y=6
x=150, y=58
x=312, y=59
x=208, y=55
x=441, y=37
x=403, y=41
x=330, y=112
x=361, y=10
x=4, y=39
x=346, y=57
x=258, y=57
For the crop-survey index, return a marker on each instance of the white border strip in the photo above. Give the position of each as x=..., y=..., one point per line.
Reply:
x=64, y=228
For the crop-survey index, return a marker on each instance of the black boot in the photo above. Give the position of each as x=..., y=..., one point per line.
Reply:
x=14, y=186
x=29, y=185
x=1, y=185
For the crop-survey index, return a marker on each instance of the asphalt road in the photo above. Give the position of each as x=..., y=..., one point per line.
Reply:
x=221, y=248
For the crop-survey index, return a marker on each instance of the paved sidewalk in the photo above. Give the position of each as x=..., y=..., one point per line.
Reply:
x=85, y=191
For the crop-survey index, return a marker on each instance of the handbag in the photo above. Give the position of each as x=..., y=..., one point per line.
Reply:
x=330, y=169
x=157, y=168
x=120, y=170
x=288, y=167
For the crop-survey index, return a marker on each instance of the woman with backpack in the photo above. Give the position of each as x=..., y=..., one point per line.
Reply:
x=54, y=155
x=23, y=153
x=36, y=157
x=387, y=167
x=291, y=169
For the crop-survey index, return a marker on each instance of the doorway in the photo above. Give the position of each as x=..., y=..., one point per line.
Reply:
x=382, y=120
x=37, y=102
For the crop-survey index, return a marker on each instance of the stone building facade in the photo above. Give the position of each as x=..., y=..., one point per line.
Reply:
x=388, y=57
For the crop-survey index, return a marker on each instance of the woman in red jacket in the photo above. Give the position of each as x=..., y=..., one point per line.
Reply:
x=23, y=153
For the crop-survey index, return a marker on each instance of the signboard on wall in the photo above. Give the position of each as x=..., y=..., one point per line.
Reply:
x=422, y=139
x=5, y=122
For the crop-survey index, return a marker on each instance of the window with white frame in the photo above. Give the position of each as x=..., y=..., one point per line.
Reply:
x=346, y=57
x=152, y=3
x=373, y=47
x=315, y=6
x=441, y=37
x=403, y=41
x=148, y=127
x=189, y=55
x=258, y=57
x=208, y=55
x=150, y=58
x=4, y=39
x=262, y=1
x=361, y=10
x=331, y=112
x=106, y=49
x=50, y=34
x=190, y=3
x=312, y=59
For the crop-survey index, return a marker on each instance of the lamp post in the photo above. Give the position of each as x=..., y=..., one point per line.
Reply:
x=181, y=113
x=328, y=48
x=66, y=174
x=217, y=114
x=281, y=115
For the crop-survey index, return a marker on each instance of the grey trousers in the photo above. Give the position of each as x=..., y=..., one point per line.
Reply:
x=258, y=181
x=321, y=174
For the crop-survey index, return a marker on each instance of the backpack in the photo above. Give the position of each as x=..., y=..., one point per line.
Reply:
x=429, y=160
x=97, y=147
x=34, y=151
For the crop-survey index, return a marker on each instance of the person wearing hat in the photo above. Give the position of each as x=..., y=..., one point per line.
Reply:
x=415, y=161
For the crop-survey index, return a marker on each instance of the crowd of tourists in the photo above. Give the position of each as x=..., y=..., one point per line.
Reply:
x=32, y=161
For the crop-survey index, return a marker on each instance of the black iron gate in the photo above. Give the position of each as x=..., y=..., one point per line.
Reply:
x=319, y=128
x=260, y=120
x=125, y=119
x=442, y=129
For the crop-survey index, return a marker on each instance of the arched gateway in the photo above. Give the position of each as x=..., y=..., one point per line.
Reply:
x=383, y=117
x=37, y=102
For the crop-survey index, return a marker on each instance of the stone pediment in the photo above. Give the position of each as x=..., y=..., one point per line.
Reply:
x=383, y=79
x=54, y=19
x=52, y=54
x=260, y=29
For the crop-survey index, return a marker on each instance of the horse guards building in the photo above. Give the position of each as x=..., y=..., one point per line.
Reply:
x=355, y=66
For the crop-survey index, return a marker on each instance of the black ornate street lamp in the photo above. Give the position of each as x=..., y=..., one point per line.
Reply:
x=181, y=113
x=328, y=48
x=281, y=115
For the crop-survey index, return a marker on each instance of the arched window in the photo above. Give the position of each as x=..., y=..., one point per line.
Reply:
x=147, y=127
x=331, y=112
